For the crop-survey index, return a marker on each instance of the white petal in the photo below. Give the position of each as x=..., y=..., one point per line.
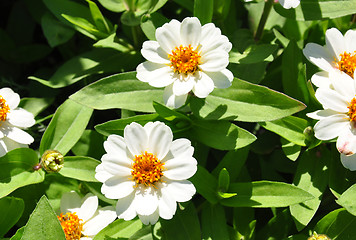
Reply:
x=167, y=206
x=330, y=127
x=349, y=162
x=146, y=200
x=155, y=74
x=180, y=168
x=321, y=79
x=220, y=42
x=183, y=87
x=150, y=219
x=350, y=39
x=203, y=86
x=154, y=53
x=115, y=145
x=181, y=147
x=180, y=191
x=168, y=36
x=190, y=31
x=318, y=55
x=332, y=100
x=101, y=174
x=171, y=100
x=11, y=144
x=335, y=42
x=221, y=79
x=320, y=114
x=287, y=4
x=89, y=206
x=214, y=61
x=125, y=208
x=343, y=84
x=21, y=118
x=117, y=187
x=12, y=99
x=160, y=140
x=102, y=218
x=69, y=201
x=136, y=138
x=116, y=166
x=16, y=134
x=346, y=142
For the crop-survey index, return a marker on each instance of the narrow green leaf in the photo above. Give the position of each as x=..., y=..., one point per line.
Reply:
x=90, y=144
x=247, y=102
x=35, y=105
x=347, y=200
x=169, y=114
x=66, y=127
x=265, y=194
x=119, y=91
x=16, y=170
x=213, y=222
x=151, y=23
x=114, y=5
x=99, y=20
x=224, y=180
x=119, y=229
x=11, y=210
x=291, y=150
x=18, y=234
x=43, y=223
x=113, y=42
x=206, y=184
x=81, y=168
x=254, y=54
x=204, y=9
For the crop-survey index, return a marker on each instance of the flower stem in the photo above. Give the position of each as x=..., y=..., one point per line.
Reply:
x=266, y=11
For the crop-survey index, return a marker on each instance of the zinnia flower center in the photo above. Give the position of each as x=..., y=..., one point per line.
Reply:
x=72, y=225
x=4, y=109
x=352, y=110
x=147, y=169
x=184, y=59
x=347, y=64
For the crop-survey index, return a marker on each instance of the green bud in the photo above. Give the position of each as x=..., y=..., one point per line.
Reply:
x=316, y=236
x=52, y=161
x=309, y=133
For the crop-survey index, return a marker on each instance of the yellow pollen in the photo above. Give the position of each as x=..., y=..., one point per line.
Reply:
x=4, y=109
x=72, y=225
x=352, y=110
x=184, y=59
x=147, y=169
x=347, y=64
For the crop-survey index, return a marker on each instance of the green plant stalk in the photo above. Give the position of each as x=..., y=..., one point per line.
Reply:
x=261, y=25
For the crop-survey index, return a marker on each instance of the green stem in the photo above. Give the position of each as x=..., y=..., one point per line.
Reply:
x=261, y=25
x=135, y=37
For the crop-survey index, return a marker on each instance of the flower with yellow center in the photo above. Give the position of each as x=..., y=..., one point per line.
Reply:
x=147, y=172
x=186, y=57
x=338, y=119
x=337, y=55
x=12, y=120
x=82, y=218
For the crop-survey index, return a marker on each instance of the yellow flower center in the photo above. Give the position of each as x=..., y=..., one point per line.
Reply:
x=147, y=169
x=184, y=59
x=352, y=110
x=72, y=225
x=4, y=109
x=347, y=64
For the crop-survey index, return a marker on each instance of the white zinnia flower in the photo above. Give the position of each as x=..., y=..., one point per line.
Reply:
x=338, y=54
x=338, y=119
x=12, y=119
x=81, y=218
x=285, y=3
x=147, y=172
x=186, y=57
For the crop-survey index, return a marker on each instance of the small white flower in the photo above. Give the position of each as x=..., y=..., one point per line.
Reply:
x=147, y=172
x=186, y=57
x=285, y=3
x=81, y=218
x=338, y=54
x=12, y=118
x=338, y=119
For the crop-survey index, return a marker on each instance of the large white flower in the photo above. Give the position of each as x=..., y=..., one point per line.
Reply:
x=286, y=3
x=186, y=57
x=338, y=54
x=147, y=172
x=12, y=119
x=338, y=119
x=81, y=218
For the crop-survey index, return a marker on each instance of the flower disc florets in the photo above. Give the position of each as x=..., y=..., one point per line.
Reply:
x=147, y=169
x=347, y=63
x=72, y=225
x=4, y=109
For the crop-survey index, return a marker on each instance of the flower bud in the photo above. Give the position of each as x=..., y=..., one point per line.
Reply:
x=52, y=161
x=316, y=236
x=309, y=133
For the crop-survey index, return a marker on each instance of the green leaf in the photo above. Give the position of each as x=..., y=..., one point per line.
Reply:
x=113, y=42
x=119, y=91
x=81, y=168
x=203, y=9
x=290, y=128
x=11, y=210
x=16, y=170
x=290, y=149
x=90, y=144
x=99, y=20
x=118, y=126
x=221, y=135
x=224, y=180
x=213, y=222
x=169, y=114
x=66, y=127
x=43, y=223
x=263, y=194
x=35, y=105
x=183, y=226
x=338, y=225
x=247, y=102
x=18, y=234
x=347, y=200
x=119, y=229
x=254, y=54
x=317, y=10
x=205, y=184
x=151, y=23
x=114, y=5
x=96, y=61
